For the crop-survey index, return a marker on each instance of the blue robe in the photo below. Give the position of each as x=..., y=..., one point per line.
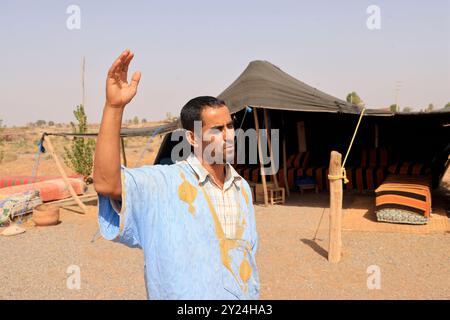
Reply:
x=170, y=216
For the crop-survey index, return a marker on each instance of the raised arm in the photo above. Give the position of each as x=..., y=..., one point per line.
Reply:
x=119, y=93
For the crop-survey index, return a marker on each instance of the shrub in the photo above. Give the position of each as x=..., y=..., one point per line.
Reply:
x=80, y=156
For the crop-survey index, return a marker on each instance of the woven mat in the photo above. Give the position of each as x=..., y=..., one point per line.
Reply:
x=360, y=216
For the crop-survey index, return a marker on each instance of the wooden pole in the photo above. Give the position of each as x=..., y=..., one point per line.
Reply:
x=84, y=198
x=122, y=144
x=64, y=175
x=376, y=135
x=83, y=97
x=301, y=136
x=335, y=245
x=286, y=183
x=263, y=177
x=266, y=121
x=285, y=168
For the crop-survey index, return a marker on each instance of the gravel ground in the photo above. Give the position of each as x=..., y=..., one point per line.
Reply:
x=34, y=265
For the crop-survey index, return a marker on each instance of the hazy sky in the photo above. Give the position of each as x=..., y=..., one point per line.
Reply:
x=190, y=48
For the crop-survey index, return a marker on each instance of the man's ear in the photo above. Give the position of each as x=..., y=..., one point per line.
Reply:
x=191, y=138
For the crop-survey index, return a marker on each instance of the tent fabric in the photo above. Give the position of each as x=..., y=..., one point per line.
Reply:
x=126, y=132
x=264, y=85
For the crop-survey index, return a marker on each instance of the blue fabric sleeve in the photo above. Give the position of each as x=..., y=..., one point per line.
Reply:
x=130, y=224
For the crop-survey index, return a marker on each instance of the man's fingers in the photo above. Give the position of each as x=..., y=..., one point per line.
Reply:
x=127, y=62
x=116, y=66
x=124, y=67
x=135, y=79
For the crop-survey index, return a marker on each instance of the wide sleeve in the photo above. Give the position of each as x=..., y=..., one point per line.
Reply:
x=129, y=220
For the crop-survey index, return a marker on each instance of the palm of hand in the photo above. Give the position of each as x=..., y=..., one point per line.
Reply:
x=118, y=91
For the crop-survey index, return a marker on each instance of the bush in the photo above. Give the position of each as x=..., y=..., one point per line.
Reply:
x=394, y=108
x=80, y=156
x=407, y=109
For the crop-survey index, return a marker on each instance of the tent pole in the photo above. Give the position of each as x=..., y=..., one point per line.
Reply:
x=63, y=174
x=263, y=177
x=284, y=167
x=376, y=135
x=266, y=120
x=122, y=144
x=284, y=156
x=335, y=241
x=301, y=136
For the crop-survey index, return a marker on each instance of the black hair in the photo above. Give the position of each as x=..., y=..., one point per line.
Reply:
x=192, y=111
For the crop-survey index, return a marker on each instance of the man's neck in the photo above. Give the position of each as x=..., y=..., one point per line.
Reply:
x=217, y=171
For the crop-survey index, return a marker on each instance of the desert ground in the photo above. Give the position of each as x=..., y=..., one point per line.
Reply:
x=414, y=262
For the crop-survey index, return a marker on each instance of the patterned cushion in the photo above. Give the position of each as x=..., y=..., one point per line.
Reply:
x=364, y=178
x=375, y=157
x=409, y=168
x=299, y=160
x=18, y=204
x=407, y=193
x=400, y=216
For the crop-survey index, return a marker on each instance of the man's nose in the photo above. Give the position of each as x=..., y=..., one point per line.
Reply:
x=228, y=134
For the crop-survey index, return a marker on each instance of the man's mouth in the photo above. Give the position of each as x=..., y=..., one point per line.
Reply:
x=229, y=146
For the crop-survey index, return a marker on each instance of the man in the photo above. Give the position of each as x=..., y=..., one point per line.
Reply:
x=194, y=219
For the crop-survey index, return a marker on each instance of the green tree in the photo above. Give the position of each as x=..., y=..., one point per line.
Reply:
x=144, y=120
x=40, y=123
x=430, y=108
x=80, y=155
x=353, y=98
x=51, y=123
x=135, y=120
x=447, y=106
x=393, y=108
x=407, y=109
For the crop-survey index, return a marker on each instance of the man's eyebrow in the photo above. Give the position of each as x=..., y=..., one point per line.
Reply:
x=219, y=126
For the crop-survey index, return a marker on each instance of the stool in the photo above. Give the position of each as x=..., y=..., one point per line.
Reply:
x=276, y=196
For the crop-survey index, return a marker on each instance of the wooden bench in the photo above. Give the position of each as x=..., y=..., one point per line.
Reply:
x=304, y=187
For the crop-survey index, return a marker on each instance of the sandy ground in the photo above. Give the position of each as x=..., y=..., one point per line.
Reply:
x=34, y=265
x=292, y=265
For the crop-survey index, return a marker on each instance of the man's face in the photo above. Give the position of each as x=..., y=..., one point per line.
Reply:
x=218, y=135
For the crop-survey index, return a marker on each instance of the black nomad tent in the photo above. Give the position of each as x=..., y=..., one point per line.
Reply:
x=313, y=123
x=263, y=84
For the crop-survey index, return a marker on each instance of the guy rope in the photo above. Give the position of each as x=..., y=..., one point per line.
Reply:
x=343, y=174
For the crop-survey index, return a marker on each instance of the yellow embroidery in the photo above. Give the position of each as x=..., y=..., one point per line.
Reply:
x=187, y=193
x=240, y=229
x=244, y=193
x=227, y=244
x=245, y=270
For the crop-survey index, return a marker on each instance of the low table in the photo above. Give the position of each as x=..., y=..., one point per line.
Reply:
x=311, y=186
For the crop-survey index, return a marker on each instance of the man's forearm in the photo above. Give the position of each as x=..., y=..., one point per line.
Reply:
x=107, y=152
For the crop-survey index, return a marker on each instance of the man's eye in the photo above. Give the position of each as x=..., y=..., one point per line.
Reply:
x=230, y=125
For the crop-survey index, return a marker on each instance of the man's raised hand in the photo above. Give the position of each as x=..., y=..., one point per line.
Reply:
x=118, y=91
